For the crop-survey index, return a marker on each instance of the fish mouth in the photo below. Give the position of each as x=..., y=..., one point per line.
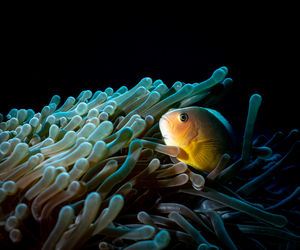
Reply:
x=164, y=122
x=164, y=126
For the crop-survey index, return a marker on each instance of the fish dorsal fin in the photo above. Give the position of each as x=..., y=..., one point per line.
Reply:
x=221, y=118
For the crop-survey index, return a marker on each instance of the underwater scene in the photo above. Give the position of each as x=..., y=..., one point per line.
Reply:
x=143, y=135
x=143, y=168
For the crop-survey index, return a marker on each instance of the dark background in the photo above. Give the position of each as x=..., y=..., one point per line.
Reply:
x=42, y=57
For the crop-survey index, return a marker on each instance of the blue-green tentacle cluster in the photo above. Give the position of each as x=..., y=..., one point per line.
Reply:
x=94, y=171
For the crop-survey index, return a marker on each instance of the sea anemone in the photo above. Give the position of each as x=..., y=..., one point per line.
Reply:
x=94, y=173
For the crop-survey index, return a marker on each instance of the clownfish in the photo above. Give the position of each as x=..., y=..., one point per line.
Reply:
x=203, y=135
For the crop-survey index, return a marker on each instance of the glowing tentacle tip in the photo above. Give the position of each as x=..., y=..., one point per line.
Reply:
x=116, y=203
x=91, y=207
x=162, y=239
x=22, y=211
x=219, y=74
x=65, y=218
x=254, y=104
x=15, y=235
x=11, y=223
x=10, y=187
x=197, y=180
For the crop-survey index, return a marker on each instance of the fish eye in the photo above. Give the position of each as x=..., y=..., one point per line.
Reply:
x=183, y=117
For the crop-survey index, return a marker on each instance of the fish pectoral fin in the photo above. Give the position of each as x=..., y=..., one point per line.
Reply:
x=205, y=153
x=183, y=155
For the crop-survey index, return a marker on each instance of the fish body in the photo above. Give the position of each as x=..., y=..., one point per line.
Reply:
x=202, y=134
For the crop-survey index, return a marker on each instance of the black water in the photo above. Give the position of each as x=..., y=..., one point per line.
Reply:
x=47, y=56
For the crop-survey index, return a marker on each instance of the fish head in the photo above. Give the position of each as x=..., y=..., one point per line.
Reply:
x=177, y=127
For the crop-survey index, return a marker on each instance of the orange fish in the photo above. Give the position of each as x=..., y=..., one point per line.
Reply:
x=202, y=134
